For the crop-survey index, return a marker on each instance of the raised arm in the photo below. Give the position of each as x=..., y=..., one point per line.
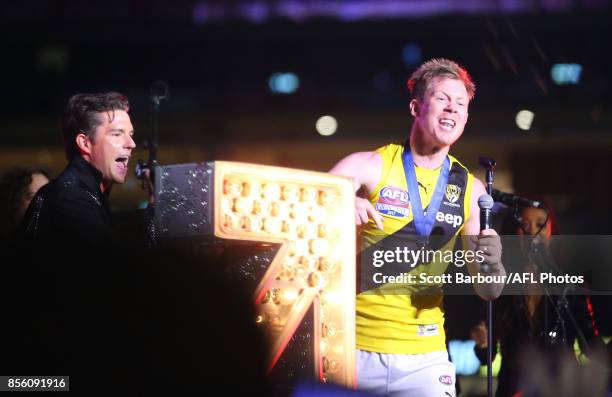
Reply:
x=365, y=168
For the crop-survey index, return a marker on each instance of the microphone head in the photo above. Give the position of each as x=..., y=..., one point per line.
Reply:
x=159, y=90
x=537, y=240
x=487, y=162
x=485, y=202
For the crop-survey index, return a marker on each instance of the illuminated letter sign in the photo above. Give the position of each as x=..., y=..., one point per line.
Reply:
x=311, y=216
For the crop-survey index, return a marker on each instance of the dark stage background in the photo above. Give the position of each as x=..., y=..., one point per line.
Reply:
x=351, y=60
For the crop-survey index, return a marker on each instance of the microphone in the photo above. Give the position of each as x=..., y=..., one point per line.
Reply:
x=159, y=91
x=512, y=199
x=485, y=202
x=541, y=252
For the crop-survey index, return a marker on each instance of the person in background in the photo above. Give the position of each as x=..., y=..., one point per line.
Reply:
x=534, y=323
x=17, y=189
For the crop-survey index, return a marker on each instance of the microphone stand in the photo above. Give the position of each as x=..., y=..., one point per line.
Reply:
x=488, y=164
x=545, y=263
x=159, y=92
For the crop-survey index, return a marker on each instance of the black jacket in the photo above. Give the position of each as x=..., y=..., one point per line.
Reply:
x=552, y=336
x=64, y=279
x=70, y=210
x=113, y=316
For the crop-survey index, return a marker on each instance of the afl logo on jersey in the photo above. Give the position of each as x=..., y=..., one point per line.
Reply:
x=393, y=201
x=446, y=380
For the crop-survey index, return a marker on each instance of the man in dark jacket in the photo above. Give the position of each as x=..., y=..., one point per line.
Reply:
x=72, y=283
x=98, y=142
x=96, y=308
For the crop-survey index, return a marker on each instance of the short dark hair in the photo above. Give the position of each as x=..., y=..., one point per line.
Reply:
x=439, y=67
x=13, y=186
x=82, y=115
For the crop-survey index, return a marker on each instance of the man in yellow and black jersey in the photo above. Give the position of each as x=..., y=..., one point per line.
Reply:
x=412, y=190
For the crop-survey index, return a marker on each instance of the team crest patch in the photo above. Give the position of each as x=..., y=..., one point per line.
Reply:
x=446, y=380
x=393, y=201
x=452, y=193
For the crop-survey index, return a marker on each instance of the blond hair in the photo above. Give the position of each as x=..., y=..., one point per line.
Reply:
x=439, y=67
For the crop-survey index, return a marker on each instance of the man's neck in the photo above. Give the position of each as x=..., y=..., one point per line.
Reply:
x=426, y=155
x=90, y=168
x=105, y=186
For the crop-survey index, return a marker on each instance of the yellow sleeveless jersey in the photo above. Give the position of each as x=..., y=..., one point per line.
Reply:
x=390, y=319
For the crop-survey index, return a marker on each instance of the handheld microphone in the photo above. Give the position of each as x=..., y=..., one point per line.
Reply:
x=512, y=199
x=485, y=202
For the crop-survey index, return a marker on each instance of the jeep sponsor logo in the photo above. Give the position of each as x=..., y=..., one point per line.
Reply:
x=446, y=380
x=454, y=220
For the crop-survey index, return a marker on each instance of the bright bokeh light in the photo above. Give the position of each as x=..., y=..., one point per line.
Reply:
x=326, y=125
x=524, y=119
x=284, y=83
x=463, y=356
x=566, y=73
